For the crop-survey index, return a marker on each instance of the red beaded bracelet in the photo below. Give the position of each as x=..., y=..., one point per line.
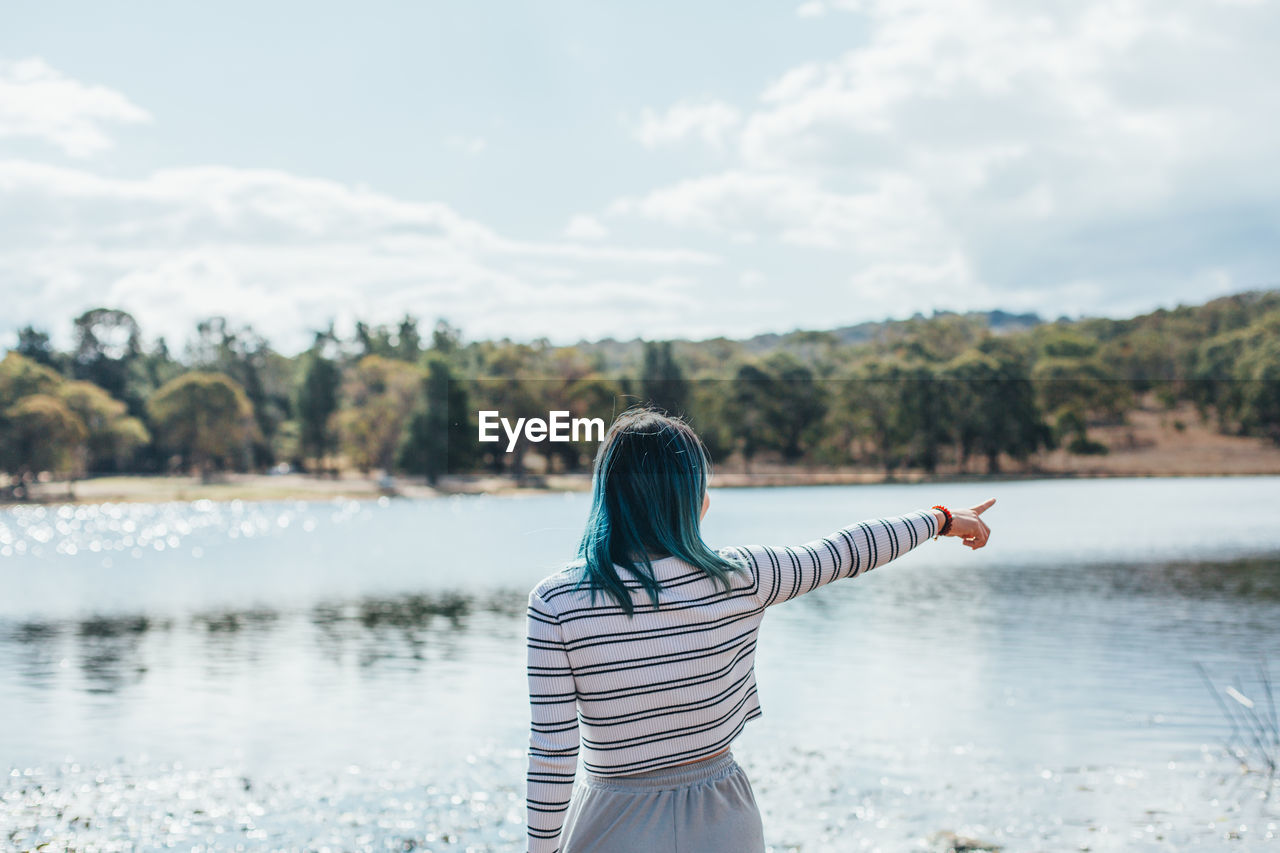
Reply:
x=946, y=525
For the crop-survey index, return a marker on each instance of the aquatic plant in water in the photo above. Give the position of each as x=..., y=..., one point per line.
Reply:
x=1255, y=726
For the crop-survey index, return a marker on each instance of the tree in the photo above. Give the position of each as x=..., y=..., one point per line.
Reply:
x=711, y=414
x=1147, y=358
x=968, y=375
x=36, y=346
x=1073, y=389
x=873, y=402
x=1003, y=411
x=206, y=417
x=1234, y=375
x=1260, y=372
x=1067, y=343
x=112, y=434
x=445, y=339
x=775, y=405
x=441, y=435
x=21, y=376
x=380, y=394
x=247, y=357
x=317, y=400
x=408, y=341
x=749, y=408
x=402, y=342
x=108, y=344
x=591, y=396
x=287, y=444
x=924, y=413
x=662, y=382
x=797, y=405
x=40, y=434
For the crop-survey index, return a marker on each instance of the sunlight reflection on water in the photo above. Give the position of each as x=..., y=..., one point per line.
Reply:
x=244, y=657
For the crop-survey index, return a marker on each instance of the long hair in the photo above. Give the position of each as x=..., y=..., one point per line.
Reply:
x=647, y=484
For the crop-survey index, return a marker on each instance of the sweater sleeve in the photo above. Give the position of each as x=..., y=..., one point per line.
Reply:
x=553, y=735
x=785, y=572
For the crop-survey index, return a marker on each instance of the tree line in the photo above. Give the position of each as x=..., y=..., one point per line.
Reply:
x=952, y=388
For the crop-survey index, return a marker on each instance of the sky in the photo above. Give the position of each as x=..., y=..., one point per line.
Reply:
x=579, y=170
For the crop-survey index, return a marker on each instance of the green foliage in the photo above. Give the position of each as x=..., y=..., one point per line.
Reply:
x=441, y=434
x=777, y=405
x=871, y=405
x=380, y=394
x=799, y=404
x=205, y=417
x=286, y=445
x=37, y=346
x=108, y=349
x=1235, y=375
x=48, y=423
x=316, y=403
x=918, y=393
x=662, y=381
x=1079, y=383
x=1067, y=343
x=749, y=407
x=1259, y=372
x=403, y=342
x=40, y=434
x=112, y=434
x=925, y=414
x=246, y=357
x=20, y=377
x=995, y=407
x=1086, y=446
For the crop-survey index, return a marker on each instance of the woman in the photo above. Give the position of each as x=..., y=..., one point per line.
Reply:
x=655, y=679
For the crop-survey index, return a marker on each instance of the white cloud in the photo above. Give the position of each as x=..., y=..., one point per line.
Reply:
x=287, y=253
x=1057, y=157
x=712, y=122
x=1109, y=150
x=36, y=101
x=890, y=288
x=584, y=227
x=891, y=218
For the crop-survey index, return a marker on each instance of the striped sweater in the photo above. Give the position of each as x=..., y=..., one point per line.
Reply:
x=676, y=683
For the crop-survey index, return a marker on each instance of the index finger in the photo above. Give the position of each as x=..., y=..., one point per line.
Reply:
x=984, y=506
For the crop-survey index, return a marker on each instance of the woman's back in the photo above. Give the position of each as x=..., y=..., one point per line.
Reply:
x=676, y=682
x=672, y=684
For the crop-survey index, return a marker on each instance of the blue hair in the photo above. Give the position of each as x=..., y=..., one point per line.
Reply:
x=647, y=484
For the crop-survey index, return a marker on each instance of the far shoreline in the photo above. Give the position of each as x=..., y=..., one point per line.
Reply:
x=288, y=488
x=1151, y=443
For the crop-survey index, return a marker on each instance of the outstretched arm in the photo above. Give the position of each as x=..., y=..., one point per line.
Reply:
x=786, y=572
x=553, y=735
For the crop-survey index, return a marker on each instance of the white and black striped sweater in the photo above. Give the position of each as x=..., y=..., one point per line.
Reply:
x=676, y=683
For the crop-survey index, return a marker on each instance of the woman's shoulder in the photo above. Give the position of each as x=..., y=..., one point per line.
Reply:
x=555, y=582
x=736, y=554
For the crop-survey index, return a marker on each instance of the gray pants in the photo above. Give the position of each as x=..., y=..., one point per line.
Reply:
x=704, y=807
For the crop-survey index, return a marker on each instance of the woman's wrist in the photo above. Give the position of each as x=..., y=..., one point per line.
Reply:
x=943, y=517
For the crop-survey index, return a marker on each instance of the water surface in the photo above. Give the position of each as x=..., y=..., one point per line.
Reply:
x=287, y=675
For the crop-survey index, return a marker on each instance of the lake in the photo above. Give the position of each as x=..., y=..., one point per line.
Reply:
x=350, y=675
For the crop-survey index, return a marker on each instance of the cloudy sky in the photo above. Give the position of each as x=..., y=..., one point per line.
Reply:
x=576, y=169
